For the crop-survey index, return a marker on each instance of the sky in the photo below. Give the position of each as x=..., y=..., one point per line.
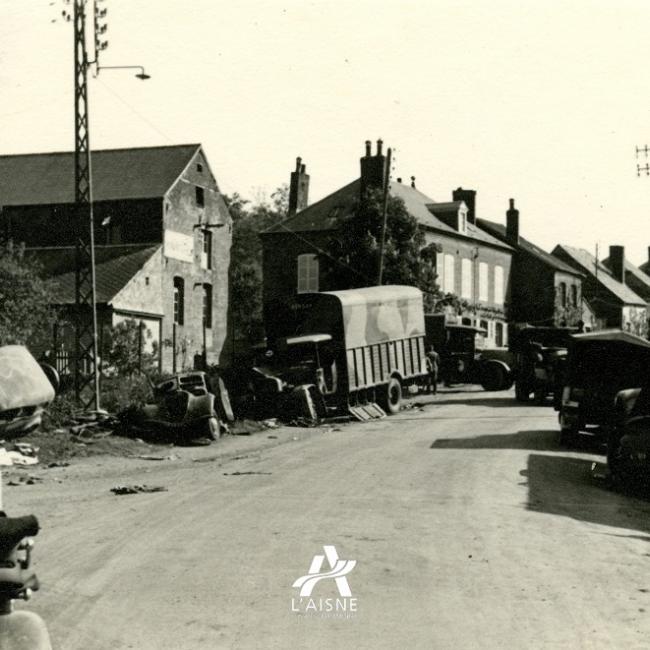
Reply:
x=543, y=102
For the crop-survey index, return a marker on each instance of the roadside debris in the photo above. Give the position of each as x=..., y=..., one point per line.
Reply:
x=19, y=453
x=153, y=457
x=24, y=480
x=137, y=489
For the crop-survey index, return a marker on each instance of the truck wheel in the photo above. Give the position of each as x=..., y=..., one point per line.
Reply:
x=522, y=391
x=212, y=428
x=493, y=377
x=391, y=399
x=568, y=436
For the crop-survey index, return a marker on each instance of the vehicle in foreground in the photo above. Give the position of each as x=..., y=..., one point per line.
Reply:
x=599, y=366
x=352, y=347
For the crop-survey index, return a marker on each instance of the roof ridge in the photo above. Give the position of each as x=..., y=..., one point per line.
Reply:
x=93, y=151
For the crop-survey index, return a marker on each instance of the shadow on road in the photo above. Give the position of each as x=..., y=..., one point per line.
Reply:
x=495, y=402
x=565, y=486
x=534, y=439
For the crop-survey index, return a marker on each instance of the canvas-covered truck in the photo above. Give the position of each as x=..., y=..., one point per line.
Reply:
x=358, y=346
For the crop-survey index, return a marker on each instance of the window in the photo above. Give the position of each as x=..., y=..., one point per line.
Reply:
x=485, y=326
x=483, y=281
x=179, y=300
x=562, y=294
x=206, y=249
x=574, y=295
x=207, y=306
x=498, y=285
x=449, y=285
x=199, y=167
x=466, y=279
x=498, y=335
x=200, y=196
x=307, y=273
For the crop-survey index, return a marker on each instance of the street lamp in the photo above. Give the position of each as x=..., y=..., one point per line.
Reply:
x=141, y=75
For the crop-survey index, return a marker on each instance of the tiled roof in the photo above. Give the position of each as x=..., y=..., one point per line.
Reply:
x=587, y=263
x=634, y=270
x=114, y=267
x=325, y=214
x=136, y=173
x=499, y=231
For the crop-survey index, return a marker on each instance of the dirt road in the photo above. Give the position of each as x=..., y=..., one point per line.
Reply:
x=469, y=526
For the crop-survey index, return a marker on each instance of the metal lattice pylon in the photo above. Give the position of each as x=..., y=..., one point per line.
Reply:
x=86, y=356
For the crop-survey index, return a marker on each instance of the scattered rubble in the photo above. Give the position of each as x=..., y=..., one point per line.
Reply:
x=137, y=489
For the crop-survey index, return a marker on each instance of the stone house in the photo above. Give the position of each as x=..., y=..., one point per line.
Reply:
x=162, y=243
x=611, y=300
x=471, y=263
x=545, y=291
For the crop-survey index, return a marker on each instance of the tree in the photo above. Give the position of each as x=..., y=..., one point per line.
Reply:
x=246, y=261
x=126, y=353
x=352, y=254
x=25, y=311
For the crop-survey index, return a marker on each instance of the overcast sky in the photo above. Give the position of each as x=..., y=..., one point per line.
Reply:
x=544, y=102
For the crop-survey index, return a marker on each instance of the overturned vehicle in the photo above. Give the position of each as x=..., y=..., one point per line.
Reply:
x=26, y=388
x=342, y=351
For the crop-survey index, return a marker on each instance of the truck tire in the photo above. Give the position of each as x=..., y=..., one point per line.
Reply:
x=522, y=391
x=391, y=397
x=568, y=436
x=493, y=377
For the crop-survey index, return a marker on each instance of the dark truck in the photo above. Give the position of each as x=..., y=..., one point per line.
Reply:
x=538, y=360
x=605, y=372
x=462, y=360
x=347, y=348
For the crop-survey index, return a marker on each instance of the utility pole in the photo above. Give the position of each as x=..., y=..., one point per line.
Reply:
x=86, y=372
x=382, y=243
x=86, y=362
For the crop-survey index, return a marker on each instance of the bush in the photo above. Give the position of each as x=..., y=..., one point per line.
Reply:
x=119, y=393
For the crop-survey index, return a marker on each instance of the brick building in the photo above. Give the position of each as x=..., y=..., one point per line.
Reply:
x=162, y=233
x=611, y=300
x=471, y=263
x=545, y=290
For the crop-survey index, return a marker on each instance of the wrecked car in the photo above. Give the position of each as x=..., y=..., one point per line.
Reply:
x=25, y=390
x=183, y=410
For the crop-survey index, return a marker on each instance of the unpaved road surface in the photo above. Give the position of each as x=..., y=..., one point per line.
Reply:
x=470, y=528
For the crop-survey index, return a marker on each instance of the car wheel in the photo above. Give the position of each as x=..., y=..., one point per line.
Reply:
x=493, y=377
x=392, y=396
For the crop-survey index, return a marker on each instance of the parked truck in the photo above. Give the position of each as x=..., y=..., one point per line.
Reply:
x=352, y=347
x=462, y=357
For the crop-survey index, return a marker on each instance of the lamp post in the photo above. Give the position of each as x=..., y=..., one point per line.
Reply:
x=86, y=372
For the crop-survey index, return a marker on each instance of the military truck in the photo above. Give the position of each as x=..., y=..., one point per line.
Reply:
x=462, y=359
x=358, y=346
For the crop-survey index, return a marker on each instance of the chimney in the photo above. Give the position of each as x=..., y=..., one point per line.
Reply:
x=469, y=196
x=373, y=168
x=617, y=262
x=298, y=189
x=512, y=224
